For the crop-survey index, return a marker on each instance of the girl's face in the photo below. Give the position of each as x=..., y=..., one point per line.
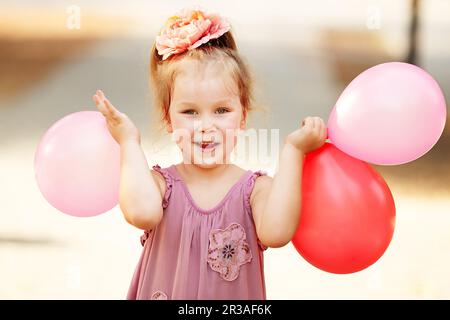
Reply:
x=205, y=114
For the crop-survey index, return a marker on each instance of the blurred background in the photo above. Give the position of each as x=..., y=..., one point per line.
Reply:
x=55, y=54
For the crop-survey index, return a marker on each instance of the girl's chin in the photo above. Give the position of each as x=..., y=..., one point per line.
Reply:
x=207, y=161
x=207, y=165
x=204, y=158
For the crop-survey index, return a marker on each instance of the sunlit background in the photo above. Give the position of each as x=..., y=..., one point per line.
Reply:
x=55, y=54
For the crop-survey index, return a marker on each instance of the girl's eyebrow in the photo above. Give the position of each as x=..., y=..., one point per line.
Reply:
x=187, y=103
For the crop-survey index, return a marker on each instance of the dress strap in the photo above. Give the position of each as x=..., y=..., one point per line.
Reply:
x=169, y=183
x=249, y=185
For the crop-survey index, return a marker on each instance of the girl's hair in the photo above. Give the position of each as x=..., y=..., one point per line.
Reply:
x=221, y=50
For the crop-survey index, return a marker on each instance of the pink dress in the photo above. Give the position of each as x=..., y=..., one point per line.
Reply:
x=201, y=254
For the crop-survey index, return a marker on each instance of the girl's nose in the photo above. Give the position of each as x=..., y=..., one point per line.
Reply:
x=205, y=124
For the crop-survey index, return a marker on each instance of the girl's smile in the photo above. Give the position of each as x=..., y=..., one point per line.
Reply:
x=208, y=146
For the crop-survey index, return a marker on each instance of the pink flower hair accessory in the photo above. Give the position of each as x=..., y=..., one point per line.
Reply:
x=188, y=30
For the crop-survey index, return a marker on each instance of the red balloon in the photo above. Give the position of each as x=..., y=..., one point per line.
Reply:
x=348, y=213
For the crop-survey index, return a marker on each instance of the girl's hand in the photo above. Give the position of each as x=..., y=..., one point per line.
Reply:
x=310, y=136
x=120, y=126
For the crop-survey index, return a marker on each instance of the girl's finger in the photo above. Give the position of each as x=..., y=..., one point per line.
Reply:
x=100, y=106
x=319, y=123
x=110, y=106
x=103, y=99
x=316, y=123
x=321, y=128
x=308, y=123
x=115, y=114
x=324, y=132
x=105, y=108
x=101, y=95
x=313, y=123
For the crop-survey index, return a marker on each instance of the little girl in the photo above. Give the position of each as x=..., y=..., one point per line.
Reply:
x=206, y=221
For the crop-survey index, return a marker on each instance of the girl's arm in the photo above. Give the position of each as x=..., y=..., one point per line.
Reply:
x=276, y=203
x=140, y=194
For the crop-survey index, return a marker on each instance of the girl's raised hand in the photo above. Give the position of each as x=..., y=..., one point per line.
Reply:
x=119, y=125
x=310, y=136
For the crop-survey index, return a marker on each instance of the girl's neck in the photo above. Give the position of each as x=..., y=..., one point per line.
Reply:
x=190, y=171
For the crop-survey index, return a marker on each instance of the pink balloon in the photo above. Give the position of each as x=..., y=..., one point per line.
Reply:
x=390, y=114
x=77, y=165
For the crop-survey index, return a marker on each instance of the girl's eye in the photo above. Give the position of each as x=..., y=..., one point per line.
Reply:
x=190, y=112
x=222, y=110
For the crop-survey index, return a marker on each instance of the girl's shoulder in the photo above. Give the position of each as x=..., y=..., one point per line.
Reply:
x=260, y=184
x=161, y=176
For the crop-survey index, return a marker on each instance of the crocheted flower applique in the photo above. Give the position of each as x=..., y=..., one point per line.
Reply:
x=159, y=295
x=228, y=251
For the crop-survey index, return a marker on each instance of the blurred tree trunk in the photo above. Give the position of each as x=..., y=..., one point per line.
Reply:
x=413, y=32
